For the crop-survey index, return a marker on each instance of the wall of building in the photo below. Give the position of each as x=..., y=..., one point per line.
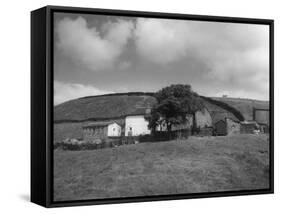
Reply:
x=247, y=128
x=262, y=116
x=94, y=133
x=114, y=130
x=232, y=127
x=138, y=124
x=203, y=118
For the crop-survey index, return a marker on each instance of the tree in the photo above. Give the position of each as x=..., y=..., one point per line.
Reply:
x=173, y=104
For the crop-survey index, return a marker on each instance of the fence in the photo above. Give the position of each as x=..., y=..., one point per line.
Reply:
x=109, y=142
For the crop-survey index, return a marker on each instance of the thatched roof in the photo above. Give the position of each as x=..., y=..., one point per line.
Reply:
x=218, y=113
x=99, y=124
x=117, y=106
x=112, y=106
x=245, y=106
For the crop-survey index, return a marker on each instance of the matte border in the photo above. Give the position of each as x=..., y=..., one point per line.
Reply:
x=49, y=99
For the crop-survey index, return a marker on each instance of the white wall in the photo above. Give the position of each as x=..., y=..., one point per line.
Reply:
x=15, y=94
x=113, y=130
x=138, y=124
x=203, y=118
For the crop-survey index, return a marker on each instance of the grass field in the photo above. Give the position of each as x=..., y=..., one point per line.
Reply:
x=207, y=164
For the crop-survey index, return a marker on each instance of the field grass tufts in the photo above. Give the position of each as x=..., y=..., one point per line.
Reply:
x=206, y=164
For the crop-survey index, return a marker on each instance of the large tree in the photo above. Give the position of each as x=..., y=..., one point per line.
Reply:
x=173, y=105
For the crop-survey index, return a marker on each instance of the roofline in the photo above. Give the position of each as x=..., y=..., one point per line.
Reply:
x=100, y=125
x=261, y=109
x=138, y=93
x=97, y=119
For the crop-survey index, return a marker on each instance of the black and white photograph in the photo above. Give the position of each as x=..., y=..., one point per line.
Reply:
x=146, y=106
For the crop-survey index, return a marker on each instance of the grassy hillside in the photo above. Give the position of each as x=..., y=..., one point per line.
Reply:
x=245, y=106
x=195, y=165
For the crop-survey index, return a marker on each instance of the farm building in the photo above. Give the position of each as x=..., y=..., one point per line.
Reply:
x=137, y=125
x=203, y=119
x=262, y=117
x=70, y=117
x=101, y=130
x=227, y=126
x=245, y=106
x=79, y=118
x=232, y=126
x=249, y=127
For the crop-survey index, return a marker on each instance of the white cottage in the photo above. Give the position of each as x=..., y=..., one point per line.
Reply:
x=113, y=130
x=137, y=125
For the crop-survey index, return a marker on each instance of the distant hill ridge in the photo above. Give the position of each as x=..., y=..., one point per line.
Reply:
x=118, y=105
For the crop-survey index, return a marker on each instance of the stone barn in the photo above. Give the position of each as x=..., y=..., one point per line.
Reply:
x=249, y=127
x=101, y=130
x=262, y=117
x=203, y=119
x=227, y=126
x=232, y=126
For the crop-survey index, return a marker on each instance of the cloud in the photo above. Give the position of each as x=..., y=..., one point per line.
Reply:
x=211, y=56
x=233, y=55
x=68, y=91
x=124, y=65
x=161, y=41
x=89, y=47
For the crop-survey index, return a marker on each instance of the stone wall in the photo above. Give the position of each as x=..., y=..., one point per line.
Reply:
x=232, y=127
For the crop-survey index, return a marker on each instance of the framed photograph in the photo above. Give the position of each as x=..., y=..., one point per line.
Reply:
x=134, y=106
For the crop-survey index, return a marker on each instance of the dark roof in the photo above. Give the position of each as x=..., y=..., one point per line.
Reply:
x=245, y=106
x=103, y=107
x=220, y=121
x=249, y=123
x=218, y=113
x=117, y=106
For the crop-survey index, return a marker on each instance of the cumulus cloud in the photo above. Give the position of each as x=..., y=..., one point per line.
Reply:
x=161, y=41
x=89, y=47
x=215, y=57
x=236, y=55
x=68, y=91
x=124, y=65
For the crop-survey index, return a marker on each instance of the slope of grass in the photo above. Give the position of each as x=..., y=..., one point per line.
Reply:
x=190, y=166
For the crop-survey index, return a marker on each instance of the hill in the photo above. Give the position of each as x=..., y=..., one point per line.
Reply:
x=195, y=165
x=245, y=106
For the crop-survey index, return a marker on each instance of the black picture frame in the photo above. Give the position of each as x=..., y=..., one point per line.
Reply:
x=42, y=27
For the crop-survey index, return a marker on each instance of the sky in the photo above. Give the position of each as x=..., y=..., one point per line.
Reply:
x=97, y=54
